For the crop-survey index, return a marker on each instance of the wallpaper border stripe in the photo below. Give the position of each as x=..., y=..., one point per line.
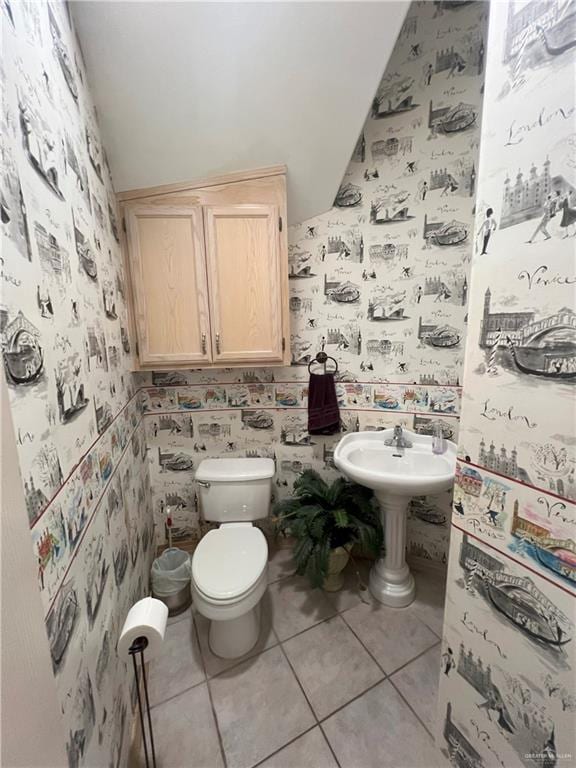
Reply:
x=521, y=563
x=78, y=545
x=78, y=464
x=301, y=408
x=545, y=491
x=294, y=382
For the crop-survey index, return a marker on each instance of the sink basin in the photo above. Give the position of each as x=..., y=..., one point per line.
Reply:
x=395, y=475
x=364, y=458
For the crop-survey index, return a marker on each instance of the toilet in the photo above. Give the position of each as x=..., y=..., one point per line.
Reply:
x=230, y=564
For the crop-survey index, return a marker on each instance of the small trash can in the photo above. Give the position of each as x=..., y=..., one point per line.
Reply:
x=171, y=573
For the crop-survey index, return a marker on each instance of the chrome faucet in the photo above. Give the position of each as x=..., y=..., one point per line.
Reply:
x=398, y=440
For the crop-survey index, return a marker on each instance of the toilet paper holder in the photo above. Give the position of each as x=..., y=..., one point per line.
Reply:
x=137, y=648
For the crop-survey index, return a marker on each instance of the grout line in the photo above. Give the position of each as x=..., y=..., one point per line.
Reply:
x=330, y=747
x=422, y=653
x=243, y=659
x=276, y=751
x=354, y=698
x=175, y=695
x=215, y=717
x=411, y=708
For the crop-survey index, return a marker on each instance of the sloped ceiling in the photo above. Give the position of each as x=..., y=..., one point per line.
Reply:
x=186, y=89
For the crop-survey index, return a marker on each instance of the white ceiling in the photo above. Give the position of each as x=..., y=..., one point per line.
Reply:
x=189, y=89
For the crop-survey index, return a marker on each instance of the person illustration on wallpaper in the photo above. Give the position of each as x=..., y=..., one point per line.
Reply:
x=550, y=207
x=487, y=227
x=568, y=215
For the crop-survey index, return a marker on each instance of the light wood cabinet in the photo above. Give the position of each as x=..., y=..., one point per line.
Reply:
x=208, y=270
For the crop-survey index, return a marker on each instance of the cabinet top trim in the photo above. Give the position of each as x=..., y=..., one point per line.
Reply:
x=210, y=181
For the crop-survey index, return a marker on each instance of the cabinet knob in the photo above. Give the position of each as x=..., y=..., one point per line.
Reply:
x=218, y=343
x=203, y=343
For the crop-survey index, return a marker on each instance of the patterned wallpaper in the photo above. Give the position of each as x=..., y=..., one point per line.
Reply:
x=381, y=279
x=507, y=694
x=65, y=348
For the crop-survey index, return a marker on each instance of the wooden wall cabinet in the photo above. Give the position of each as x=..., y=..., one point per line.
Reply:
x=208, y=271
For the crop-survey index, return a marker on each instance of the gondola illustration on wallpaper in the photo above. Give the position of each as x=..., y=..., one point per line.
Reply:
x=120, y=559
x=60, y=623
x=444, y=233
x=21, y=349
x=40, y=146
x=348, y=196
x=451, y=119
x=424, y=510
x=85, y=254
x=462, y=753
x=62, y=56
x=84, y=718
x=536, y=347
x=96, y=578
x=174, y=462
x=556, y=553
x=341, y=292
x=515, y=597
x=257, y=419
x=537, y=33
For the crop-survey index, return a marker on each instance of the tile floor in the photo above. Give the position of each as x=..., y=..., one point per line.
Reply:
x=335, y=680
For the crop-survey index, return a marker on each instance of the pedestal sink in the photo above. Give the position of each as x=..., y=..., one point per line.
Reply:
x=395, y=475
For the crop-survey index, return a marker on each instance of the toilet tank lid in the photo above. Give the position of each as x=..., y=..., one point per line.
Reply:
x=234, y=470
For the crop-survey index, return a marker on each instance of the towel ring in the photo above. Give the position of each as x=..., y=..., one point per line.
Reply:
x=321, y=358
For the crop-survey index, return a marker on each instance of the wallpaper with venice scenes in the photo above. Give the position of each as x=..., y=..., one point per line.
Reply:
x=507, y=695
x=381, y=279
x=65, y=349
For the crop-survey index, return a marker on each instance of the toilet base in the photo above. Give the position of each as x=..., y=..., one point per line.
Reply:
x=232, y=638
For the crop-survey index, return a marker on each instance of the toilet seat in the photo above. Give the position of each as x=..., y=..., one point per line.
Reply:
x=229, y=562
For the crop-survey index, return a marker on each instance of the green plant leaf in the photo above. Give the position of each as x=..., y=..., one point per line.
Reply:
x=341, y=518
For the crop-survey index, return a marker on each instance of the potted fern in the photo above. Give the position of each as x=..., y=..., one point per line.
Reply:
x=326, y=521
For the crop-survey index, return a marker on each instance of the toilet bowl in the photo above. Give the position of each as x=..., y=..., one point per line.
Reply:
x=229, y=565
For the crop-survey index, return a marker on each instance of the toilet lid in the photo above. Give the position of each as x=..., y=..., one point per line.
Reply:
x=229, y=560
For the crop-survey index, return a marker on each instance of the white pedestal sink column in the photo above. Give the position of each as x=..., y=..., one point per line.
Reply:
x=391, y=582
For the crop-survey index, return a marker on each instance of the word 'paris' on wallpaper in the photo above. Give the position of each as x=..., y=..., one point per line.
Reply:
x=65, y=347
x=507, y=694
x=381, y=280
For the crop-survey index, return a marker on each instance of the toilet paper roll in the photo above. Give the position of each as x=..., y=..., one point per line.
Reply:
x=147, y=618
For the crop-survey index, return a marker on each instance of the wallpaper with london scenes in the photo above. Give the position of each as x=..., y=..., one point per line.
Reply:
x=66, y=355
x=381, y=280
x=507, y=695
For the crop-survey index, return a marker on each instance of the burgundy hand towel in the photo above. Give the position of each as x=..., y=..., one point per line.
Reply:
x=323, y=413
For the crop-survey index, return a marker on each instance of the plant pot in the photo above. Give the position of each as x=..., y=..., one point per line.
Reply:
x=338, y=560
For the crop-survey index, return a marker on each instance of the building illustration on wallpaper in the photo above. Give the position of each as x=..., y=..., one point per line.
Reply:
x=53, y=257
x=515, y=597
x=545, y=348
x=84, y=721
x=389, y=212
x=527, y=197
x=21, y=349
x=391, y=109
x=381, y=149
x=458, y=179
x=551, y=552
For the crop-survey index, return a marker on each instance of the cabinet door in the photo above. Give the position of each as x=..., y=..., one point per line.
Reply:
x=168, y=270
x=245, y=285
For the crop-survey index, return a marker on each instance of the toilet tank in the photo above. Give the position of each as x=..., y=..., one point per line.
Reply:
x=234, y=490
